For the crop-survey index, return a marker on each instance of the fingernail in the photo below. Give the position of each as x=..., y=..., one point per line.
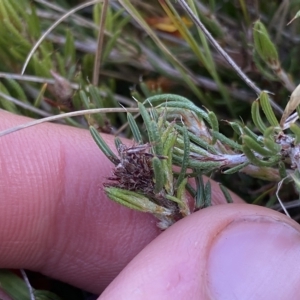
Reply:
x=255, y=258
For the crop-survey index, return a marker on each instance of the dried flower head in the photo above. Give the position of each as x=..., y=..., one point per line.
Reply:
x=134, y=172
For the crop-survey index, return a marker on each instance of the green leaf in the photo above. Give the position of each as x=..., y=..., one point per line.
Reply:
x=134, y=129
x=264, y=46
x=183, y=203
x=110, y=44
x=249, y=132
x=118, y=142
x=258, y=122
x=12, y=13
x=185, y=158
x=226, y=193
x=236, y=168
x=272, y=146
x=33, y=23
x=159, y=174
x=237, y=128
x=200, y=191
x=214, y=124
x=255, y=146
x=169, y=137
x=267, y=109
x=282, y=169
x=135, y=201
x=84, y=98
x=69, y=48
x=13, y=285
x=222, y=138
x=103, y=146
x=199, y=141
x=207, y=194
x=205, y=166
x=96, y=97
x=17, y=289
x=152, y=130
x=296, y=130
x=40, y=96
x=259, y=162
x=7, y=105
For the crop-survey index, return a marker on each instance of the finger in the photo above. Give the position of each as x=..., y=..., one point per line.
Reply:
x=54, y=215
x=235, y=251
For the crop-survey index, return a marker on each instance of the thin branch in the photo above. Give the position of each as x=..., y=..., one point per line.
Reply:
x=279, y=19
x=278, y=198
x=82, y=21
x=30, y=289
x=90, y=46
x=249, y=82
x=123, y=127
x=66, y=115
x=24, y=105
x=211, y=39
x=100, y=45
x=61, y=19
x=74, y=86
x=35, y=79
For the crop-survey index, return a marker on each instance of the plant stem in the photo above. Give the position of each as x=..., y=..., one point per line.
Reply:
x=243, y=76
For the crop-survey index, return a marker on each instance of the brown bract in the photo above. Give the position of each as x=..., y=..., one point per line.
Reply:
x=134, y=172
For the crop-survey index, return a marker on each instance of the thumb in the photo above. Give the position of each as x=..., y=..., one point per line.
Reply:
x=235, y=251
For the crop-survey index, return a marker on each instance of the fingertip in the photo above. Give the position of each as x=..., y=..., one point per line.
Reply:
x=55, y=217
x=183, y=263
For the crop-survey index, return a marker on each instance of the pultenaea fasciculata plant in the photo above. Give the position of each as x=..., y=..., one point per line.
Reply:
x=183, y=135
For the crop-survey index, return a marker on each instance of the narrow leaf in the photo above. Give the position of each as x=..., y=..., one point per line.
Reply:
x=264, y=46
x=134, y=129
x=258, y=122
x=258, y=162
x=40, y=96
x=13, y=285
x=152, y=129
x=159, y=176
x=226, y=193
x=199, y=191
x=296, y=130
x=236, y=168
x=214, y=124
x=237, y=128
x=272, y=146
x=183, y=203
x=135, y=201
x=282, y=170
x=207, y=194
x=103, y=146
x=222, y=138
x=185, y=158
x=255, y=146
x=267, y=109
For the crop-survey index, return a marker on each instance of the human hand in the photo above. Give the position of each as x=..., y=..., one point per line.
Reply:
x=55, y=219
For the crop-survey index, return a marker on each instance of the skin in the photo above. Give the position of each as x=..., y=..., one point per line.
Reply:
x=56, y=219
